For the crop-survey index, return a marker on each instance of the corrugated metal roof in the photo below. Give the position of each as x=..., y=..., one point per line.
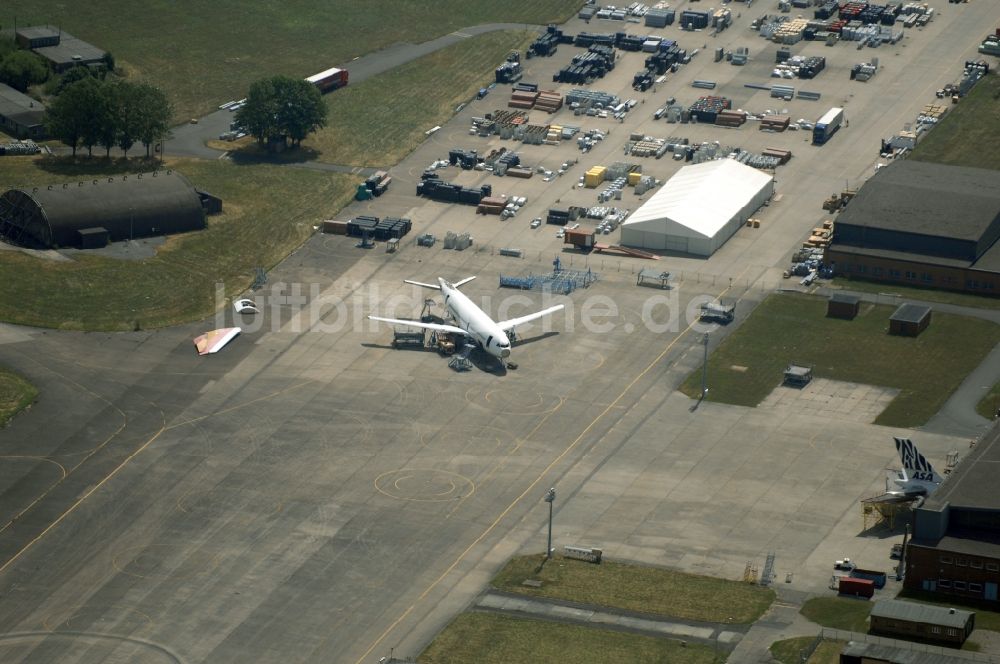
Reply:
x=20, y=107
x=894, y=609
x=702, y=198
x=910, y=313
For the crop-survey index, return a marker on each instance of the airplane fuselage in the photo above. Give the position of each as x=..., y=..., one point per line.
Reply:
x=475, y=321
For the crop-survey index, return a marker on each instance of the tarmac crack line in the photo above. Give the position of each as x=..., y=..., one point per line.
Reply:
x=239, y=405
x=67, y=473
x=569, y=448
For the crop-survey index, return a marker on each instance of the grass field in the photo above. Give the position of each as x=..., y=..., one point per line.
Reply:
x=380, y=121
x=792, y=328
x=838, y=612
x=970, y=134
x=258, y=228
x=487, y=638
x=205, y=53
x=788, y=651
x=16, y=394
x=917, y=293
x=989, y=404
x=637, y=588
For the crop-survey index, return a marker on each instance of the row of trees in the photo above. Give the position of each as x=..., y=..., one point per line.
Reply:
x=108, y=113
x=282, y=109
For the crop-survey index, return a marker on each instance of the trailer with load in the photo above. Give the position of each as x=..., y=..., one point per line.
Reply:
x=876, y=577
x=827, y=125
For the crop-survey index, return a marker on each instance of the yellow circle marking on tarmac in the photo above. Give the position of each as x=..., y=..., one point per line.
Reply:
x=531, y=487
x=395, y=479
x=146, y=557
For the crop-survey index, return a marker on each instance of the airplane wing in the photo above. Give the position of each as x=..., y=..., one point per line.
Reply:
x=420, y=283
x=437, y=327
x=507, y=325
x=463, y=281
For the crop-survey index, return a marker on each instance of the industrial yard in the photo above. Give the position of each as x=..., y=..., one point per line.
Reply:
x=331, y=488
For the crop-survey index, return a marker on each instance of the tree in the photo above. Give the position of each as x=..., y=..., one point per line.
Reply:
x=23, y=68
x=124, y=100
x=282, y=108
x=154, y=113
x=72, y=75
x=69, y=115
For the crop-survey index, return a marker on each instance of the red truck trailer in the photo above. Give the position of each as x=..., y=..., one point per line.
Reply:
x=328, y=80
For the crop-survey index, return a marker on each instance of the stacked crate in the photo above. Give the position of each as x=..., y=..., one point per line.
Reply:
x=491, y=205
x=774, y=123
x=705, y=109
x=790, y=32
x=730, y=118
x=548, y=101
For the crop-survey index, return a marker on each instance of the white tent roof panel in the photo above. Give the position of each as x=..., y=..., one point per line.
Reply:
x=702, y=198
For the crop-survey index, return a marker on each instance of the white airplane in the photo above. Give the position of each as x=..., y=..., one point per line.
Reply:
x=471, y=321
x=916, y=478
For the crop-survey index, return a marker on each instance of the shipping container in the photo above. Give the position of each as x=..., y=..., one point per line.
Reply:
x=876, y=577
x=856, y=587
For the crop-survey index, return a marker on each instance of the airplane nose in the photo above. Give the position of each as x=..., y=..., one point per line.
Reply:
x=504, y=353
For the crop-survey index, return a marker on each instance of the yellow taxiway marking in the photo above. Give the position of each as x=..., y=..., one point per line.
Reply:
x=531, y=487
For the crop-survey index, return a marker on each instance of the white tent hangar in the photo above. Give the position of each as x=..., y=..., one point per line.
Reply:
x=699, y=208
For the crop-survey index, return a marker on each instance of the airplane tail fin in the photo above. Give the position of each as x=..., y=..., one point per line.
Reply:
x=914, y=463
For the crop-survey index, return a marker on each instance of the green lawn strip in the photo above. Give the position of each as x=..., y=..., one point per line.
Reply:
x=917, y=293
x=489, y=638
x=989, y=404
x=637, y=588
x=269, y=211
x=789, y=651
x=838, y=613
x=380, y=121
x=969, y=135
x=988, y=620
x=794, y=328
x=206, y=53
x=16, y=394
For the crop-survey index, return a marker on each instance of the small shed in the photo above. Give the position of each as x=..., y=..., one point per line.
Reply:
x=93, y=238
x=909, y=620
x=798, y=375
x=843, y=305
x=909, y=320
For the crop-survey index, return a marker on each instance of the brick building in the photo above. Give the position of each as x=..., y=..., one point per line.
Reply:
x=922, y=224
x=921, y=622
x=955, y=550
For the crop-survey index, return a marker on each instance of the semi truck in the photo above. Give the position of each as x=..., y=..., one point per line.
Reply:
x=827, y=125
x=329, y=80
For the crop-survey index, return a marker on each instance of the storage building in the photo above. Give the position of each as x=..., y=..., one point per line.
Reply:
x=924, y=622
x=909, y=320
x=843, y=305
x=955, y=550
x=125, y=206
x=699, y=208
x=20, y=115
x=922, y=224
x=61, y=49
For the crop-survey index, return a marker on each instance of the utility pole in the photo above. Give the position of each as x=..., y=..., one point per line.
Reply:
x=704, y=369
x=550, y=497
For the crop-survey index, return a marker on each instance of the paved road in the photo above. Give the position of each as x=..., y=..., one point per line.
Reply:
x=188, y=140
